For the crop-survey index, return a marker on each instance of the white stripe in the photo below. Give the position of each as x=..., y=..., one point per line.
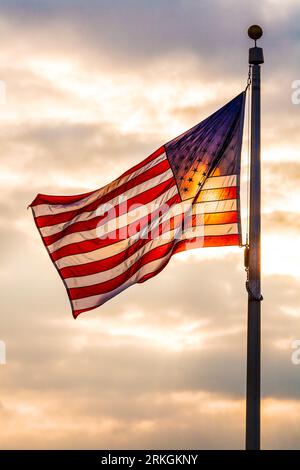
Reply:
x=124, y=220
x=51, y=209
x=110, y=250
x=217, y=182
x=219, y=206
x=96, y=255
x=116, y=223
x=118, y=247
x=96, y=300
x=84, y=216
x=83, y=281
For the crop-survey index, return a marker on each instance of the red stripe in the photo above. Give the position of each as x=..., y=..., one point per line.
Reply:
x=107, y=286
x=112, y=261
x=101, y=265
x=90, y=224
x=221, y=218
x=88, y=246
x=78, y=312
x=224, y=240
x=147, y=160
x=53, y=219
x=154, y=273
x=46, y=199
x=207, y=241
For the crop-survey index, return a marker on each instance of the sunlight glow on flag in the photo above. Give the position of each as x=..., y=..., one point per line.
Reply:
x=183, y=196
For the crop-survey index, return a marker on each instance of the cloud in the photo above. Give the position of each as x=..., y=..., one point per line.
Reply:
x=202, y=422
x=133, y=33
x=281, y=221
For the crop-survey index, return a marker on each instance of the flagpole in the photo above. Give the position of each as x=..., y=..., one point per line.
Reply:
x=253, y=398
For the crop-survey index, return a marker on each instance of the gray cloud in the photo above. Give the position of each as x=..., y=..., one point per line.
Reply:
x=280, y=221
x=137, y=30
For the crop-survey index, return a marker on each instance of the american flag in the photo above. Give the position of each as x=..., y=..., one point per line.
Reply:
x=185, y=195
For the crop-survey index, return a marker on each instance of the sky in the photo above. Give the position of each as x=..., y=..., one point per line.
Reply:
x=88, y=89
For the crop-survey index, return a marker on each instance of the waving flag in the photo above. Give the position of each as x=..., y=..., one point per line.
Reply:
x=185, y=195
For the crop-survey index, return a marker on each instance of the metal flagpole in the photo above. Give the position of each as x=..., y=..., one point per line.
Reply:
x=253, y=256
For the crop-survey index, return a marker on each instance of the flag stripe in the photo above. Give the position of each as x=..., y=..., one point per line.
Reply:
x=113, y=255
x=115, y=248
x=53, y=205
x=91, y=223
x=86, y=244
x=124, y=190
x=216, y=182
x=83, y=216
x=109, y=246
x=123, y=276
x=100, y=299
x=219, y=194
x=158, y=197
x=114, y=271
x=123, y=207
x=146, y=161
x=149, y=270
x=83, y=258
x=87, y=240
x=210, y=241
x=92, y=279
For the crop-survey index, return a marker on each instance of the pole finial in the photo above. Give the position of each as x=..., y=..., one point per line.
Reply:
x=255, y=32
x=256, y=55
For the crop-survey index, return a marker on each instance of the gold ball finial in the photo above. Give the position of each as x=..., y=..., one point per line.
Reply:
x=255, y=32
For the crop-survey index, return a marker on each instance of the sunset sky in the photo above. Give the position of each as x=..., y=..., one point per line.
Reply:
x=93, y=87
